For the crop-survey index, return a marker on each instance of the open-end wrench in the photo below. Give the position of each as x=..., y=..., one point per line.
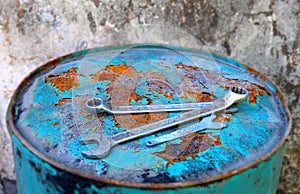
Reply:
x=205, y=123
x=106, y=143
x=98, y=105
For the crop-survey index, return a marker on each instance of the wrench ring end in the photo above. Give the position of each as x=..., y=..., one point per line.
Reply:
x=236, y=94
x=96, y=104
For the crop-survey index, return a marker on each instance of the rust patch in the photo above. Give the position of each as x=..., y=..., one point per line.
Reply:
x=123, y=92
x=216, y=141
x=167, y=95
x=199, y=96
x=129, y=121
x=112, y=73
x=186, y=67
x=136, y=120
x=54, y=124
x=189, y=147
x=64, y=81
x=222, y=117
x=121, y=69
x=63, y=101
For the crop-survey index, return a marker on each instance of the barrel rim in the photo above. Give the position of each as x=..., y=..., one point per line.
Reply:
x=201, y=182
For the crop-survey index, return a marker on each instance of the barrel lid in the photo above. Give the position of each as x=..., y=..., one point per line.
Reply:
x=49, y=113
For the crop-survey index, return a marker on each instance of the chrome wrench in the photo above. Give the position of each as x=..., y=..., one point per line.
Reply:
x=98, y=105
x=205, y=123
x=106, y=143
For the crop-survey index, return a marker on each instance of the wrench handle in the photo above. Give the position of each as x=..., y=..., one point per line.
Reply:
x=233, y=95
x=169, y=122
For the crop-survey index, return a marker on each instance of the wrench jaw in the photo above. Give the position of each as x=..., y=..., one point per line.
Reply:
x=103, y=149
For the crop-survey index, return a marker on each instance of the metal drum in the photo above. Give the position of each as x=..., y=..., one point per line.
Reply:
x=147, y=119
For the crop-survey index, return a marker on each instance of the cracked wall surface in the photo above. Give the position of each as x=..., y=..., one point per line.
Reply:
x=263, y=34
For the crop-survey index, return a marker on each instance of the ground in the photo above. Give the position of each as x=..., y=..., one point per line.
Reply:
x=263, y=34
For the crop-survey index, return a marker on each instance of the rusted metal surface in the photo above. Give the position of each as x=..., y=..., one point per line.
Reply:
x=64, y=81
x=50, y=116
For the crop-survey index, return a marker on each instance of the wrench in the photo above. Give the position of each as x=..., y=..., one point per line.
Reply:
x=106, y=143
x=206, y=123
x=100, y=106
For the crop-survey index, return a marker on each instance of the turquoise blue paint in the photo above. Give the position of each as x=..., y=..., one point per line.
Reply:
x=55, y=131
x=271, y=86
x=39, y=178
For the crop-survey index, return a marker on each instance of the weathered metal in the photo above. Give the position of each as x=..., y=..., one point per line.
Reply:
x=47, y=118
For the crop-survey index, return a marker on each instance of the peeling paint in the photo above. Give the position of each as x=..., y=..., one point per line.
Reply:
x=65, y=81
x=53, y=117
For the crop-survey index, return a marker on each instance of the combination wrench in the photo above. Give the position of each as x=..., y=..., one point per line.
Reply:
x=106, y=143
x=205, y=123
x=98, y=105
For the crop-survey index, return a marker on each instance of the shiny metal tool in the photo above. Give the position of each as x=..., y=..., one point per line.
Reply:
x=98, y=105
x=205, y=123
x=106, y=143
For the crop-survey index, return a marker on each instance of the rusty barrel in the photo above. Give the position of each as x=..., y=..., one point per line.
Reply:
x=47, y=118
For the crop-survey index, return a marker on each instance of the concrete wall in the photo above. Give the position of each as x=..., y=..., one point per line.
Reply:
x=264, y=34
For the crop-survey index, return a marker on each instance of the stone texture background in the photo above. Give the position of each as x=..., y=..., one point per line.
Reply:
x=264, y=34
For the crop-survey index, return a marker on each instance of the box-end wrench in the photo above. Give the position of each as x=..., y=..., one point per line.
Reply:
x=106, y=143
x=98, y=105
